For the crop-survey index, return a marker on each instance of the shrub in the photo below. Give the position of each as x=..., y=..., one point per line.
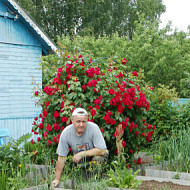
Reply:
x=109, y=94
x=166, y=113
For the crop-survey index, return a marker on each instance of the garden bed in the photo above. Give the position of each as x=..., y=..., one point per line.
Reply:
x=152, y=183
x=158, y=177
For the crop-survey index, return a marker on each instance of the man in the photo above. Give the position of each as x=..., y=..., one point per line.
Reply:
x=85, y=139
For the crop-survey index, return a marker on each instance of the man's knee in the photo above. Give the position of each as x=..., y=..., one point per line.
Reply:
x=101, y=159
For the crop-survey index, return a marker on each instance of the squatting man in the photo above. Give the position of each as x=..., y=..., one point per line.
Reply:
x=84, y=138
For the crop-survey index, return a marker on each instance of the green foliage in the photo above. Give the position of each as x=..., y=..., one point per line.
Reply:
x=162, y=111
x=166, y=113
x=97, y=17
x=121, y=177
x=3, y=180
x=149, y=50
x=78, y=84
x=11, y=155
x=185, y=86
x=39, y=155
x=12, y=164
x=176, y=150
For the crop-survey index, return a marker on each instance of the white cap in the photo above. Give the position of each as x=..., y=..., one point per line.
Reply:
x=79, y=111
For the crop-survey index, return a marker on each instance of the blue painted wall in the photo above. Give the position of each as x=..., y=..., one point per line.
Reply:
x=20, y=55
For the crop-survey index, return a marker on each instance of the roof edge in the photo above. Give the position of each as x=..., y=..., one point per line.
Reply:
x=33, y=25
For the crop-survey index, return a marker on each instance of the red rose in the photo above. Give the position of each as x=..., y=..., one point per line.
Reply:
x=93, y=112
x=139, y=161
x=97, y=107
x=137, y=133
x=94, y=82
x=113, y=102
x=58, y=136
x=48, y=127
x=45, y=113
x=131, y=151
x=60, y=70
x=45, y=134
x=124, y=61
x=102, y=130
x=56, y=114
x=47, y=104
x=41, y=126
x=120, y=108
x=144, y=134
x=56, y=126
x=89, y=83
x=36, y=93
x=84, y=86
x=130, y=81
x=80, y=56
x=32, y=141
x=111, y=91
x=97, y=101
x=113, y=122
x=100, y=97
x=124, y=143
x=54, y=139
x=91, y=72
x=49, y=142
x=38, y=139
x=62, y=128
x=135, y=73
x=90, y=108
x=72, y=104
x=64, y=119
x=62, y=105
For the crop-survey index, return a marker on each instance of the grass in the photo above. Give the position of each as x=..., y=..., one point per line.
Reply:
x=176, y=151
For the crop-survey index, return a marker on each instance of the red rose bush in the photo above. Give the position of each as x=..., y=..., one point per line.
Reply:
x=109, y=94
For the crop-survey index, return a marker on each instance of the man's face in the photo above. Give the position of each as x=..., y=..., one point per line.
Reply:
x=80, y=122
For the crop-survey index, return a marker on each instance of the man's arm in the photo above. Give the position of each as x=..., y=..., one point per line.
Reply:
x=59, y=167
x=89, y=153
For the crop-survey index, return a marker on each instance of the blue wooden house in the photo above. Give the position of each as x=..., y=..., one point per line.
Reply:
x=22, y=44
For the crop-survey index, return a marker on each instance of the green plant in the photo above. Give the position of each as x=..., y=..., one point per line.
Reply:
x=176, y=176
x=13, y=154
x=162, y=112
x=122, y=177
x=17, y=178
x=109, y=94
x=3, y=180
x=176, y=150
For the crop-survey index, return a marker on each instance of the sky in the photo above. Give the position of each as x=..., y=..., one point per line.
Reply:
x=177, y=11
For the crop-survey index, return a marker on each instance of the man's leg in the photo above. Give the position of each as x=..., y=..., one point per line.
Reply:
x=101, y=159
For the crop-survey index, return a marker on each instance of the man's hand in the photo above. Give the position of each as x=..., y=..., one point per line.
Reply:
x=77, y=157
x=55, y=182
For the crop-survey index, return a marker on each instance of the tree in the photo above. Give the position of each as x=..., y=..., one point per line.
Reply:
x=163, y=57
x=86, y=17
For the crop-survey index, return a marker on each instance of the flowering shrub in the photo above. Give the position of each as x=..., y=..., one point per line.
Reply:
x=106, y=91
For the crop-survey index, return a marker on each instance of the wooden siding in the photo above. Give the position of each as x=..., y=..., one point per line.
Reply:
x=13, y=30
x=18, y=65
x=17, y=127
x=21, y=45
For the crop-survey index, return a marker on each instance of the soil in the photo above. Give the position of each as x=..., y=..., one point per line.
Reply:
x=155, y=185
